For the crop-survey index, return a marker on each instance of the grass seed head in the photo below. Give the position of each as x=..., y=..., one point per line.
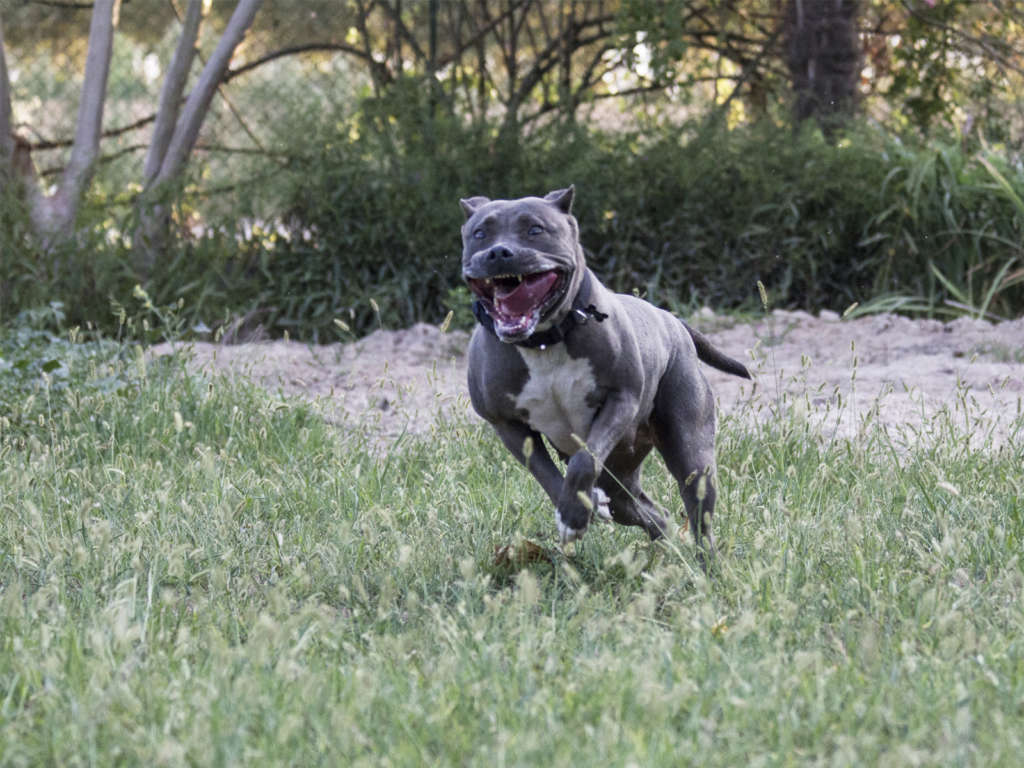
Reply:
x=764, y=295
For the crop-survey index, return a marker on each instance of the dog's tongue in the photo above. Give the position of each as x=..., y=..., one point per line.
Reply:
x=525, y=296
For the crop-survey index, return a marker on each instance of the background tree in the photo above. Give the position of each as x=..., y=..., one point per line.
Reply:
x=823, y=56
x=334, y=114
x=53, y=214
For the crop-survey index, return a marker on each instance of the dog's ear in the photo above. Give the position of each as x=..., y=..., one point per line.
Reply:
x=470, y=204
x=562, y=198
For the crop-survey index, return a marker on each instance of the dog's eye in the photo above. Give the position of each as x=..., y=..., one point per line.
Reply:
x=536, y=229
x=479, y=234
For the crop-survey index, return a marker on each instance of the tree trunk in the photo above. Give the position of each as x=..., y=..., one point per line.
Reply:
x=823, y=55
x=53, y=217
x=187, y=129
x=167, y=159
x=153, y=225
x=15, y=154
x=6, y=128
x=171, y=93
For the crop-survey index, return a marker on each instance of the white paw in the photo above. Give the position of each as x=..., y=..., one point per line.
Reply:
x=565, y=533
x=601, y=509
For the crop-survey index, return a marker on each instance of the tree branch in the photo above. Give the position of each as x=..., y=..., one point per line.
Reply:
x=66, y=5
x=478, y=34
x=291, y=50
x=549, y=58
x=173, y=88
x=44, y=144
x=379, y=73
x=187, y=130
x=90, y=109
x=403, y=30
x=999, y=51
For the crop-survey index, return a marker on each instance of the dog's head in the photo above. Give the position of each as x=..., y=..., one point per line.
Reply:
x=523, y=260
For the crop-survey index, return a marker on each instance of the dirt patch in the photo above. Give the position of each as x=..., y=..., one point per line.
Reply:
x=841, y=373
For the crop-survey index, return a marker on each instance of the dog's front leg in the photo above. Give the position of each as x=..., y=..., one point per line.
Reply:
x=516, y=436
x=616, y=416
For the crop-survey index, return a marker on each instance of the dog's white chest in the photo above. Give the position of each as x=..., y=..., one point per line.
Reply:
x=556, y=395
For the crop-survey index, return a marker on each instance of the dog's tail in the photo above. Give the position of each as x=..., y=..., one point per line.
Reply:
x=707, y=352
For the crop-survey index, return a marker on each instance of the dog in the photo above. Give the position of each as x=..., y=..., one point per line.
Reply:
x=605, y=377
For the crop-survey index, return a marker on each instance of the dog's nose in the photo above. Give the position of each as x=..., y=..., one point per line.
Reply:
x=500, y=251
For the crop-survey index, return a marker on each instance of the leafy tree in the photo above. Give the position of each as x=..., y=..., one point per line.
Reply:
x=951, y=62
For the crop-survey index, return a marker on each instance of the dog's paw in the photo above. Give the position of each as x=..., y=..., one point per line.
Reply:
x=567, y=534
x=599, y=510
x=602, y=510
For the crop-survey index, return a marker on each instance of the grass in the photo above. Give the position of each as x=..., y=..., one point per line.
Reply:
x=199, y=573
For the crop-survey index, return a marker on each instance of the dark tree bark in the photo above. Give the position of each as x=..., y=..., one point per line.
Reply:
x=823, y=54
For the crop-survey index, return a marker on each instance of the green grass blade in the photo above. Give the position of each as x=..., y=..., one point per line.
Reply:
x=1003, y=184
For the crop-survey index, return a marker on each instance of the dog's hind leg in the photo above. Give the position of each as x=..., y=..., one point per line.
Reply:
x=629, y=504
x=684, y=419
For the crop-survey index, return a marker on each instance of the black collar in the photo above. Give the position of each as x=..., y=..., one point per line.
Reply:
x=580, y=313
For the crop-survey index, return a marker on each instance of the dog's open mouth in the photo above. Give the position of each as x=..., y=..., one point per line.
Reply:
x=516, y=302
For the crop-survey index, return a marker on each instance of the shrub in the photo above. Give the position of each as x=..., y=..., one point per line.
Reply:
x=366, y=224
x=684, y=216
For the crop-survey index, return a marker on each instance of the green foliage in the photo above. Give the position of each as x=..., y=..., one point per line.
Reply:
x=199, y=573
x=374, y=213
x=947, y=67
x=82, y=274
x=368, y=229
x=42, y=365
x=684, y=216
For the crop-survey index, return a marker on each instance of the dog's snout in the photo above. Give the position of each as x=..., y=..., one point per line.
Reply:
x=500, y=252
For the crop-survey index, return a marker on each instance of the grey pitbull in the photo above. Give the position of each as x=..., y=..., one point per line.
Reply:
x=603, y=376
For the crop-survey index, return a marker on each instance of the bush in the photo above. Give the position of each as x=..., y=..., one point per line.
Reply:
x=367, y=225
x=685, y=216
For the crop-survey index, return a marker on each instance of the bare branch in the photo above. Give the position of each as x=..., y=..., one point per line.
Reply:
x=550, y=57
x=479, y=33
x=292, y=50
x=173, y=88
x=591, y=76
x=187, y=130
x=1000, y=51
x=44, y=144
x=396, y=16
x=104, y=159
x=68, y=6
x=378, y=74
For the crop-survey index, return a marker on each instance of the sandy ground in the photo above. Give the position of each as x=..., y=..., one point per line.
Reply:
x=839, y=373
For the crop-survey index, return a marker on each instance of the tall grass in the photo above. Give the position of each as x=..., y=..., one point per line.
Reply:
x=193, y=571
